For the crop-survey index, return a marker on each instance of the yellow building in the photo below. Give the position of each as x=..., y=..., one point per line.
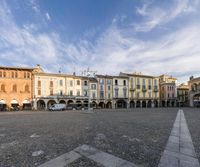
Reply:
x=143, y=90
x=16, y=87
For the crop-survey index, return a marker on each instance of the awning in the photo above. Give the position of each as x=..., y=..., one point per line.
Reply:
x=14, y=102
x=26, y=102
x=2, y=102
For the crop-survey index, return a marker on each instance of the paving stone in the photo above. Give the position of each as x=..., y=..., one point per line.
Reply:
x=168, y=161
x=188, y=151
x=174, y=139
x=172, y=147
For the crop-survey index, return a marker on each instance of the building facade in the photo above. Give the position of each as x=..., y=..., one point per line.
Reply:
x=182, y=95
x=16, y=87
x=168, y=91
x=194, y=91
x=143, y=90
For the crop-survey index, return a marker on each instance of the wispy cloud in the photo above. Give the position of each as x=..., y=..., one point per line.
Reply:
x=113, y=51
x=48, y=16
x=156, y=16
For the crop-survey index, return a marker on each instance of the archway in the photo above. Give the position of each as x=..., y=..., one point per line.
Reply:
x=41, y=105
x=138, y=104
x=78, y=103
x=62, y=102
x=132, y=104
x=85, y=103
x=26, y=105
x=163, y=104
x=144, y=104
x=196, y=100
x=155, y=103
x=168, y=103
x=14, y=105
x=121, y=104
x=50, y=103
x=149, y=104
x=102, y=105
x=109, y=104
x=173, y=104
x=94, y=104
x=3, y=105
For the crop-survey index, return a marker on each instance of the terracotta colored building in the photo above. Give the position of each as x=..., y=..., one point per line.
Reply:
x=15, y=88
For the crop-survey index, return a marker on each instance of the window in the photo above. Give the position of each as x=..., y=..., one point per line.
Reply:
x=85, y=83
x=39, y=83
x=3, y=89
x=109, y=95
x=61, y=92
x=149, y=87
x=132, y=83
x=138, y=83
x=116, y=82
x=16, y=74
x=172, y=95
x=101, y=94
x=85, y=93
x=101, y=87
x=51, y=84
x=143, y=82
x=155, y=82
x=124, y=82
x=144, y=94
x=124, y=92
x=156, y=95
x=109, y=87
x=14, y=88
x=78, y=82
x=71, y=93
x=71, y=83
x=61, y=82
x=39, y=92
x=149, y=94
x=13, y=75
x=26, y=75
x=1, y=74
x=93, y=95
x=138, y=94
x=93, y=86
x=116, y=93
x=149, y=81
x=51, y=92
x=101, y=81
x=109, y=81
x=78, y=93
x=27, y=88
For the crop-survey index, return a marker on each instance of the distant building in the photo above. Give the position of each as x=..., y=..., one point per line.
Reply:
x=194, y=91
x=143, y=90
x=16, y=88
x=182, y=95
x=168, y=91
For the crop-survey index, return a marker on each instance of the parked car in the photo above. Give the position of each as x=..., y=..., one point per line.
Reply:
x=57, y=107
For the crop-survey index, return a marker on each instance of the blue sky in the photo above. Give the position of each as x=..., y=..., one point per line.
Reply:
x=149, y=36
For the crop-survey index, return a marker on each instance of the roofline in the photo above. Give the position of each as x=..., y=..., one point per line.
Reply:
x=16, y=68
x=140, y=75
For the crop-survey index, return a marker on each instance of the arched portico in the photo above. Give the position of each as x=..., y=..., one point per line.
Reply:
x=50, y=103
x=109, y=104
x=102, y=105
x=121, y=104
x=41, y=105
x=132, y=104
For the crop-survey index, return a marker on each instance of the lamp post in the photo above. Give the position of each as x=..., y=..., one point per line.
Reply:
x=89, y=75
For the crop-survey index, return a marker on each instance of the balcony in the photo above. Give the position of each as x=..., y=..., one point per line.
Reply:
x=144, y=89
x=132, y=89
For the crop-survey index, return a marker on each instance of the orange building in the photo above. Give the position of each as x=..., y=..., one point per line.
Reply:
x=15, y=88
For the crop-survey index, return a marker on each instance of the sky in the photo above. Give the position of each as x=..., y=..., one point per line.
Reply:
x=109, y=36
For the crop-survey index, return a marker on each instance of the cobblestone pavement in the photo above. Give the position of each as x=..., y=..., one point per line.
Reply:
x=32, y=138
x=192, y=117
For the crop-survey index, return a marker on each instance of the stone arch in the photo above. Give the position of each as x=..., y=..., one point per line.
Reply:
x=94, y=104
x=50, y=103
x=132, y=104
x=121, y=104
x=41, y=105
x=62, y=102
x=144, y=105
x=149, y=104
x=102, y=105
x=138, y=104
x=85, y=103
x=109, y=104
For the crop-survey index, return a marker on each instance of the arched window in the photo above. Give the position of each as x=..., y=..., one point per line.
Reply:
x=39, y=83
x=14, y=88
x=3, y=89
x=27, y=88
x=51, y=83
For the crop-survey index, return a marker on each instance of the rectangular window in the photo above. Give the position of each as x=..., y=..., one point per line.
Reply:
x=149, y=94
x=13, y=75
x=109, y=95
x=61, y=92
x=85, y=83
x=51, y=92
x=93, y=95
x=85, y=93
x=61, y=82
x=116, y=82
x=116, y=93
x=71, y=93
x=101, y=81
x=101, y=87
x=124, y=82
x=138, y=94
x=93, y=86
x=71, y=83
x=78, y=82
x=132, y=83
x=109, y=87
x=124, y=92
x=39, y=92
x=78, y=93
x=101, y=94
x=1, y=74
x=16, y=74
x=108, y=81
x=144, y=94
x=143, y=82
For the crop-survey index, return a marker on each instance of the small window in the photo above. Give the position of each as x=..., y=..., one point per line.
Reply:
x=85, y=83
x=13, y=75
x=51, y=83
x=39, y=83
x=4, y=74
x=78, y=82
x=78, y=93
x=14, y=88
x=124, y=82
x=3, y=89
x=1, y=74
x=27, y=88
x=16, y=74
x=116, y=82
x=39, y=92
